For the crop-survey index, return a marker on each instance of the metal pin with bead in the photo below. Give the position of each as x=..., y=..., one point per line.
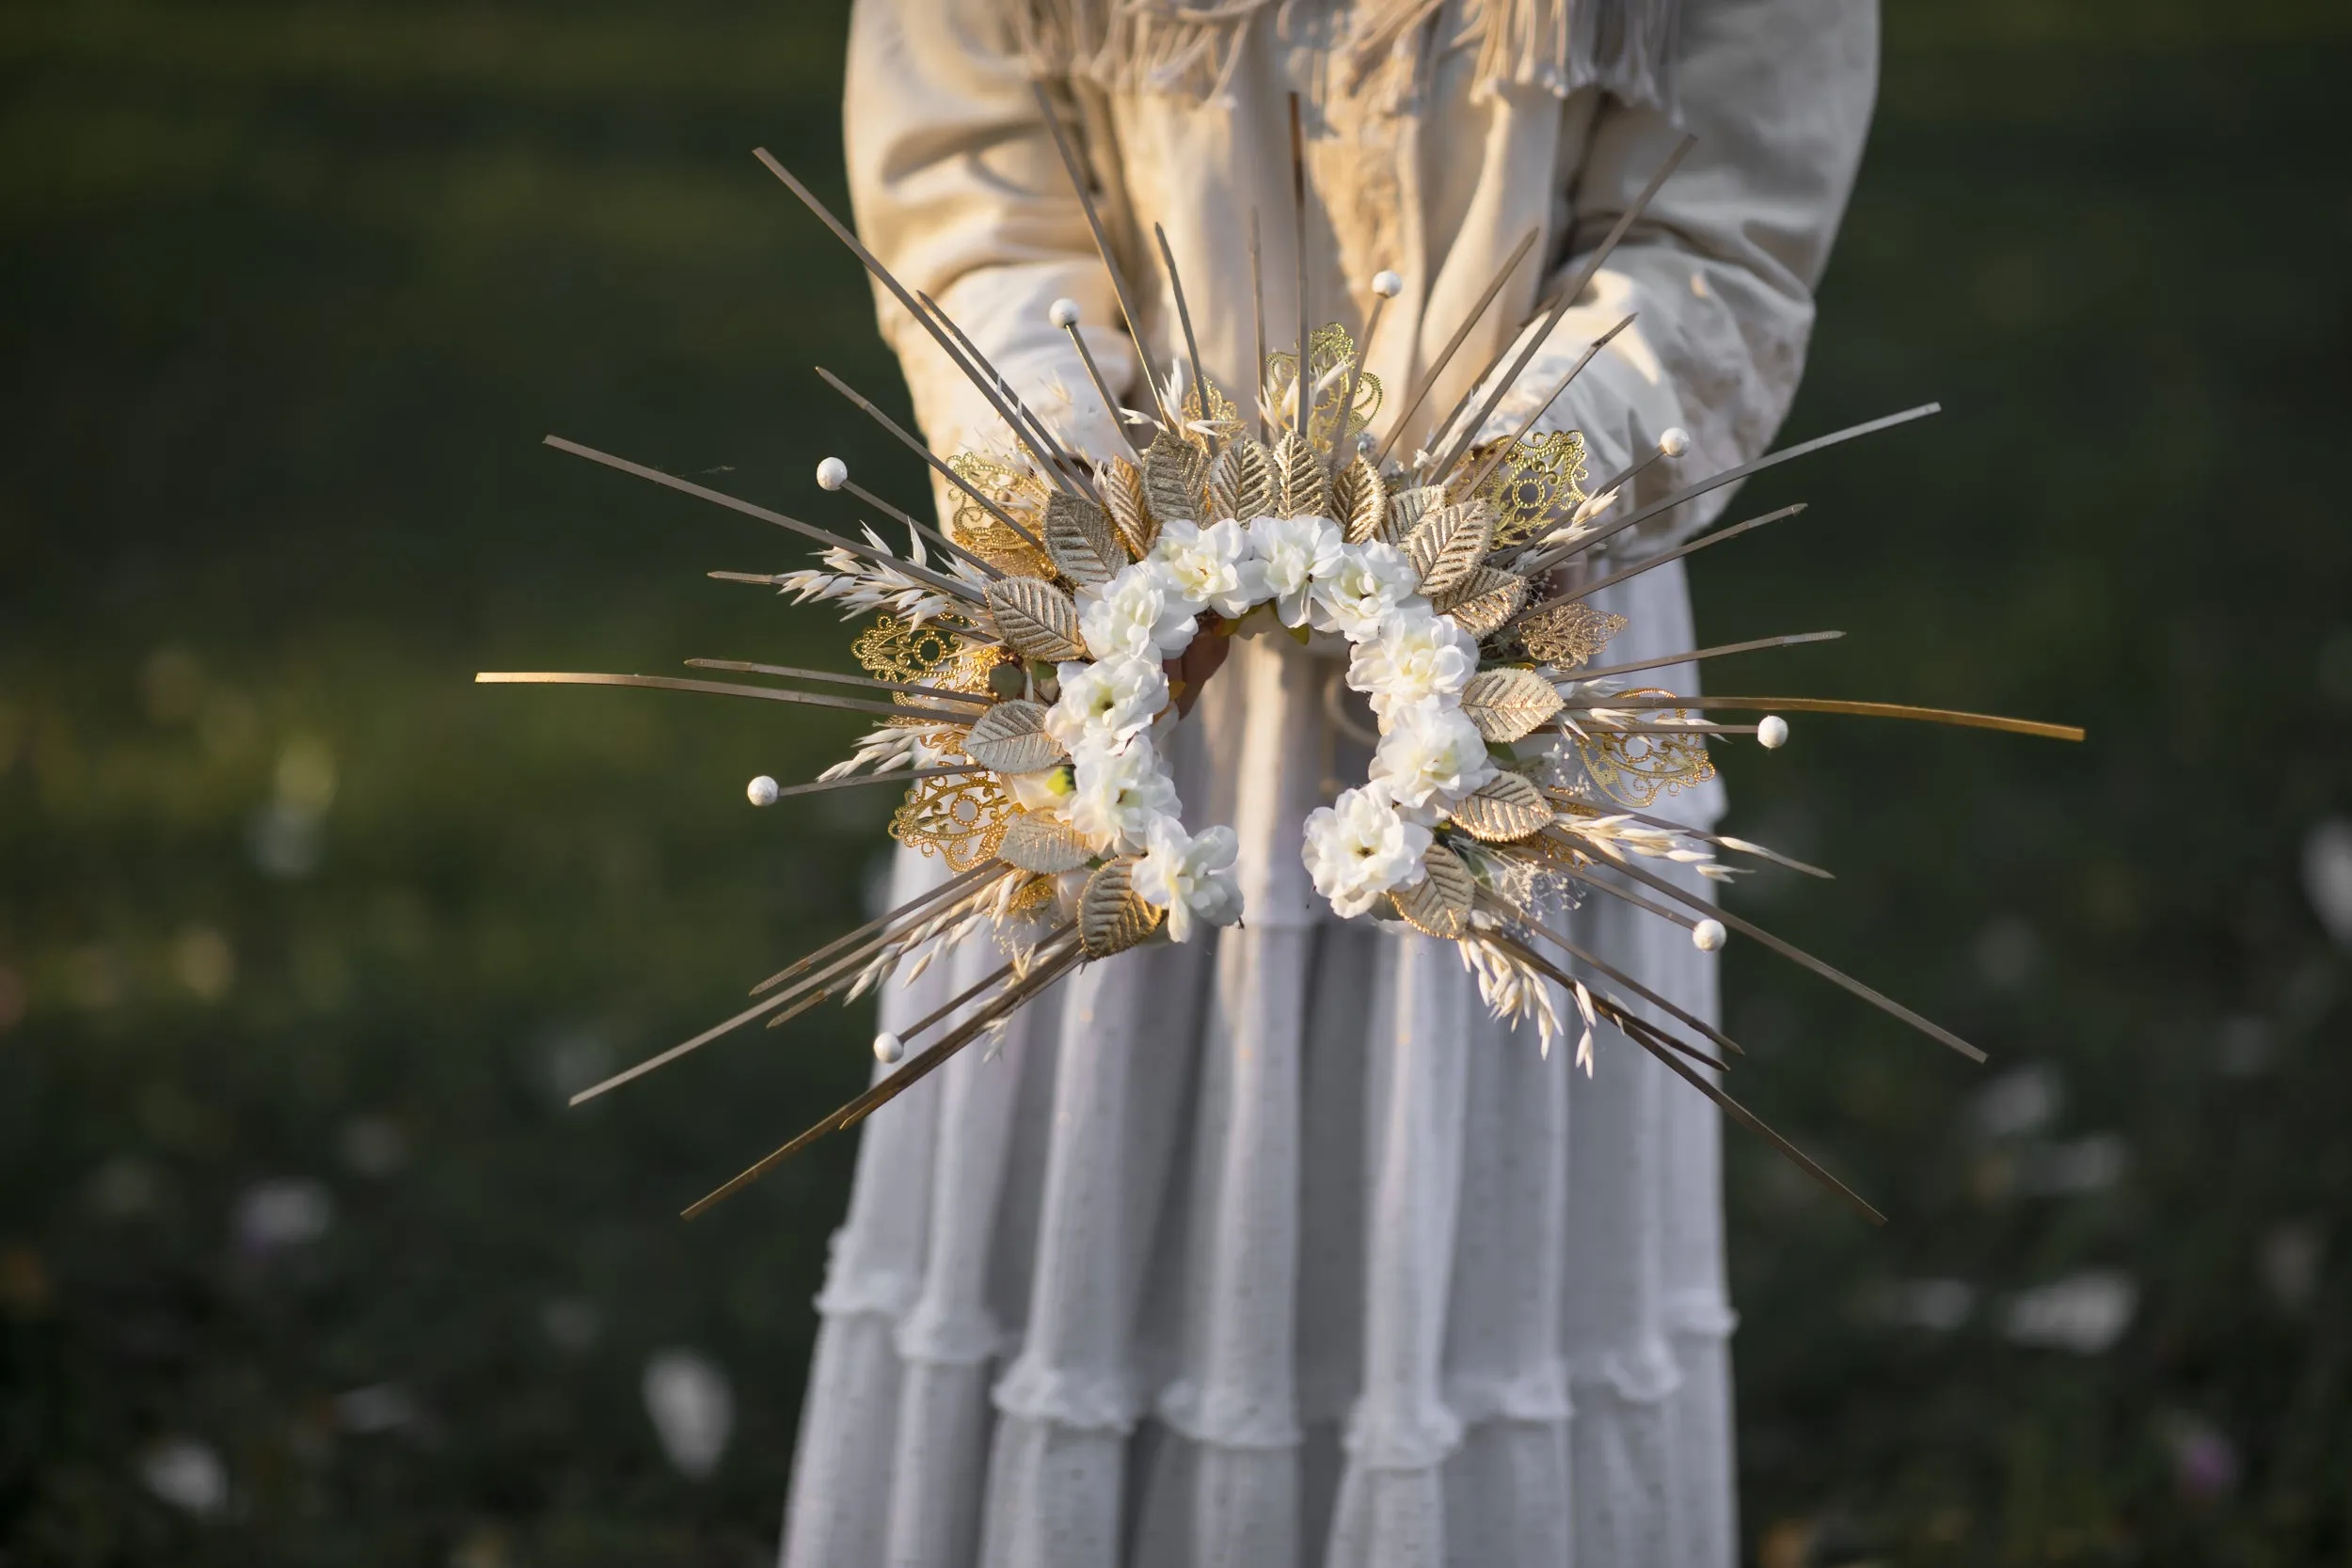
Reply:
x=1673, y=443
x=1063, y=313
x=888, y=1047
x=1386, y=286
x=1772, y=731
x=761, y=791
x=833, y=474
x=1708, y=936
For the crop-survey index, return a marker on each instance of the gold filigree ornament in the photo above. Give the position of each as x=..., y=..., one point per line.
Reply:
x=932, y=654
x=1019, y=494
x=1635, y=770
x=1568, y=635
x=962, y=817
x=1330, y=352
x=1539, y=482
x=894, y=650
x=1222, y=420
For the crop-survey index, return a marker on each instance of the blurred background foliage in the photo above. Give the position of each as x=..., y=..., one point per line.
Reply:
x=302, y=939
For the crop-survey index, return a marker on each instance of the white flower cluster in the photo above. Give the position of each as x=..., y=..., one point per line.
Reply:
x=1411, y=662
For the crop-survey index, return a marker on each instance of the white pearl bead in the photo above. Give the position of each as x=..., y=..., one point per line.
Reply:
x=1772, y=734
x=761, y=791
x=1388, y=285
x=1063, y=312
x=888, y=1047
x=1674, y=442
x=831, y=474
x=1709, y=935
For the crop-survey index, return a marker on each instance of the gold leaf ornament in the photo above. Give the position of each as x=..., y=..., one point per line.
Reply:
x=1484, y=602
x=1405, y=510
x=1439, y=904
x=1122, y=483
x=1504, y=810
x=1035, y=842
x=1112, y=916
x=1306, y=488
x=1446, y=545
x=1506, y=704
x=1241, y=481
x=1079, y=536
x=1037, y=619
x=1359, y=501
x=1010, y=739
x=1173, y=469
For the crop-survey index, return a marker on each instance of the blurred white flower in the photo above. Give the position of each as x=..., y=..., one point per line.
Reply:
x=1209, y=568
x=1417, y=656
x=2085, y=1313
x=691, y=1407
x=1359, y=847
x=1137, y=615
x=285, y=1213
x=2289, y=1262
x=1430, y=753
x=1292, y=552
x=1118, y=794
x=1192, y=879
x=1102, y=705
x=2087, y=1165
x=1939, y=1305
x=2327, y=877
x=378, y=1407
x=2020, y=1102
x=1362, y=587
x=187, y=1474
x=572, y=1323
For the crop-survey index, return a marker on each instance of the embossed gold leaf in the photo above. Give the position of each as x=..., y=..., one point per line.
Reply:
x=1507, y=703
x=1504, y=810
x=1406, y=509
x=1306, y=489
x=1010, y=739
x=1241, y=481
x=1038, y=843
x=1112, y=917
x=1438, y=904
x=1446, y=545
x=1038, y=619
x=1484, y=601
x=1078, y=534
x=1122, y=483
x=1172, y=471
x=1359, y=500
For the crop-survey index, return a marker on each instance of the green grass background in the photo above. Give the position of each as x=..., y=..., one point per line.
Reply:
x=294, y=290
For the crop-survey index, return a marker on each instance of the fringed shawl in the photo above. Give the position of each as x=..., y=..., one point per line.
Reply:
x=1625, y=47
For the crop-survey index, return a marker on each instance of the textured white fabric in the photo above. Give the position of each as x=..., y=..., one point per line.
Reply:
x=1275, y=1251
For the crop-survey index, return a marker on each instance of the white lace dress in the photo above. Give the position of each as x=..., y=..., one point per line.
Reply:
x=1275, y=1250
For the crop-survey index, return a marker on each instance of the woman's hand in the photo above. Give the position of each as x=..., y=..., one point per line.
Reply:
x=1190, y=671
